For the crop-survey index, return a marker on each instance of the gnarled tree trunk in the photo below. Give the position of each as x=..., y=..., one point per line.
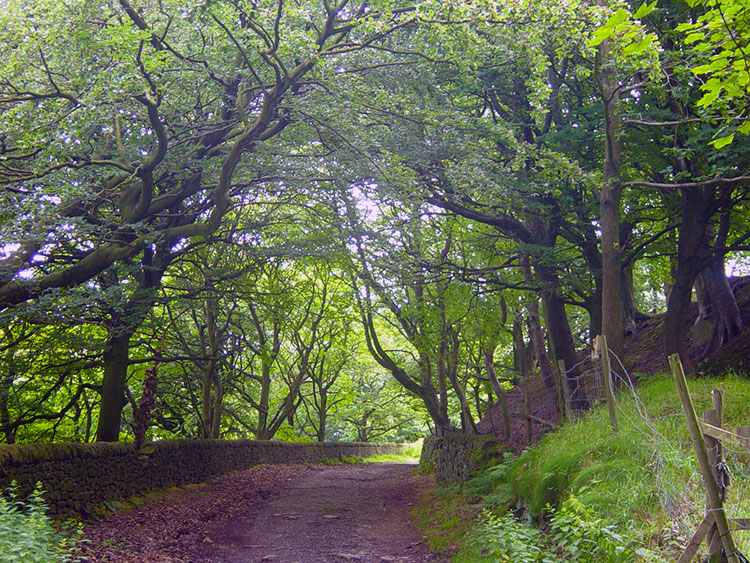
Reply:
x=116, y=359
x=717, y=303
x=697, y=209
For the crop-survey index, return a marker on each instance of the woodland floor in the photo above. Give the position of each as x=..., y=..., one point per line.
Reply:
x=280, y=513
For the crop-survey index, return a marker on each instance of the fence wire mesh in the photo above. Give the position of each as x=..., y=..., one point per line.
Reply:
x=537, y=405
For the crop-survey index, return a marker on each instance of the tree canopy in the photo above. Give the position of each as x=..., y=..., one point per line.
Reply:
x=354, y=220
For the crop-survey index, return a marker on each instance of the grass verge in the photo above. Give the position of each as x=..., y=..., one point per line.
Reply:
x=409, y=455
x=598, y=496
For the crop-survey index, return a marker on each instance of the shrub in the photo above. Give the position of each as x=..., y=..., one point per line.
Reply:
x=28, y=535
x=581, y=536
x=504, y=539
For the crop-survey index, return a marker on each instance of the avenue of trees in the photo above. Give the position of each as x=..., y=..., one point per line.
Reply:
x=353, y=220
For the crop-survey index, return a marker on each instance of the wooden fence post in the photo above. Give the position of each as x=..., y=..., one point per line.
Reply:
x=714, y=417
x=527, y=412
x=506, y=415
x=559, y=389
x=744, y=431
x=715, y=503
x=716, y=457
x=565, y=389
x=607, y=377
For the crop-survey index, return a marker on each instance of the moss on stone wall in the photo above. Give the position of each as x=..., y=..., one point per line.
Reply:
x=77, y=478
x=455, y=458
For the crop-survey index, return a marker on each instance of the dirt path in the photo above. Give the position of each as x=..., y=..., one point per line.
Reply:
x=281, y=513
x=329, y=514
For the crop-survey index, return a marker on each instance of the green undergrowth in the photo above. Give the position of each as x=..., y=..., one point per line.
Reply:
x=28, y=535
x=344, y=459
x=409, y=455
x=392, y=458
x=585, y=494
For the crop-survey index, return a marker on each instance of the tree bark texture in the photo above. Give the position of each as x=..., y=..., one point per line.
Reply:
x=115, y=358
x=696, y=213
x=718, y=302
x=536, y=331
x=609, y=206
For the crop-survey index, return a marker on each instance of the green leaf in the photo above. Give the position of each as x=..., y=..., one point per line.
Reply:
x=723, y=141
x=708, y=98
x=686, y=26
x=617, y=18
x=744, y=128
x=713, y=66
x=644, y=10
x=637, y=48
x=601, y=34
x=609, y=27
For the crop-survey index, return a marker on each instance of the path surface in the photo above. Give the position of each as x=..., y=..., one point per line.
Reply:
x=329, y=514
x=271, y=513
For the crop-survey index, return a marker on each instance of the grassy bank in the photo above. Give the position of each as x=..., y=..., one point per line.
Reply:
x=597, y=496
x=409, y=455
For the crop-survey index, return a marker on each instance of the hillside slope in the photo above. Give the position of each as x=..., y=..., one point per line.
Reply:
x=644, y=355
x=644, y=349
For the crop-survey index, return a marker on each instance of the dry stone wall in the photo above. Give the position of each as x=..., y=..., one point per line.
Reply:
x=77, y=478
x=456, y=458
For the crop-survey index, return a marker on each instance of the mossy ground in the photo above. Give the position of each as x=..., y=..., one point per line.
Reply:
x=447, y=517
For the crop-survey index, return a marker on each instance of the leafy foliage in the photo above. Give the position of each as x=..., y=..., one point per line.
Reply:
x=504, y=539
x=257, y=198
x=581, y=536
x=720, y=38
x=28, y=535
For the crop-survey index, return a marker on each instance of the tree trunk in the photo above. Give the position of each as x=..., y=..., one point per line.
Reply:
x=450, y=337
x=536, y=332
x=593, y=306
x=438, y=413
x=5, y=422
x=631, y=314
x=208, y=396
x=125, y=321
x=675, y=319
x=263, y=400
x=558, y=328
x=218, y=407
x=116, y=359
x=562, y=343
x=609, y=205
x=436, y=405
x=142, y=411
x=520, y=357
x=704, y=300
x=489, y=364
x=322, y=415
x=443, y=391
x=612, y=310
x=720, y=304
x=696, y=213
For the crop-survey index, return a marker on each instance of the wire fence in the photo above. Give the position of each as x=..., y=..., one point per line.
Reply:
x=538, y=405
